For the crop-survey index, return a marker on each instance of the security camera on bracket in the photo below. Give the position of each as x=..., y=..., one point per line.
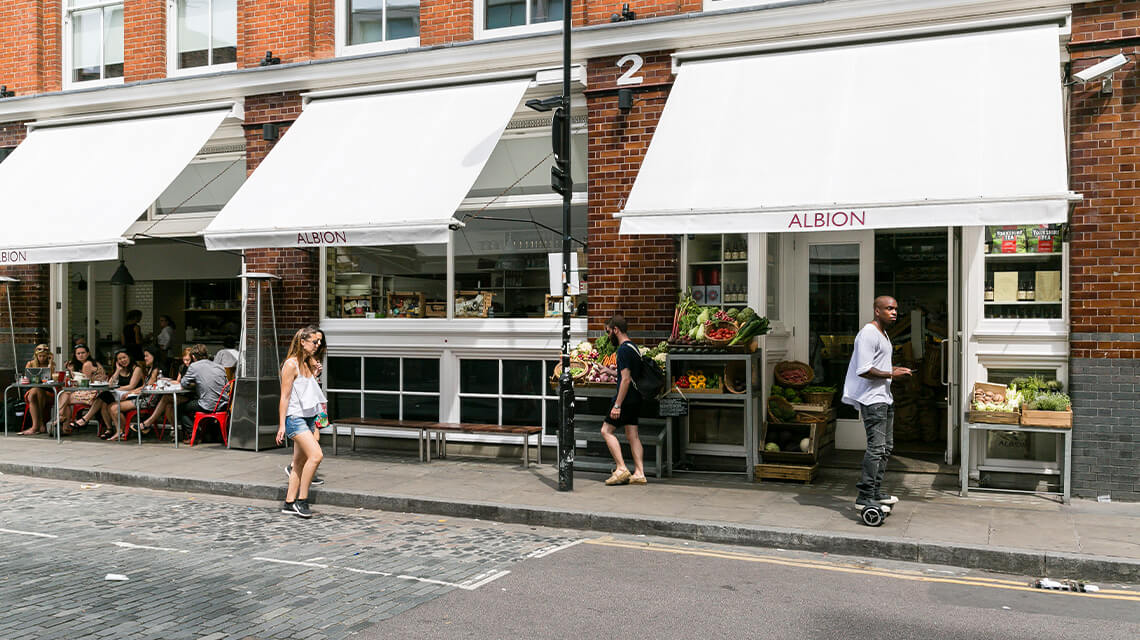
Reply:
x=1102, y=71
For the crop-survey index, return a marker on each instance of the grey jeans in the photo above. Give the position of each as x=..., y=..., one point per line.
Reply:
x=879, y=421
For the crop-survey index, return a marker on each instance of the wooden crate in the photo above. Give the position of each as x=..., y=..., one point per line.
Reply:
x=819, y=435
x=1055, y=419
x=799, y=473
x=467, y=307
x=994, y=417
x=405, y=304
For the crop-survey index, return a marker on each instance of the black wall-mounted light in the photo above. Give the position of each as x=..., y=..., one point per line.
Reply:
x=4, y=93
x=625, y=100
x=269, y=60
x=270, y=131
x=625, y=16
x=121, y=276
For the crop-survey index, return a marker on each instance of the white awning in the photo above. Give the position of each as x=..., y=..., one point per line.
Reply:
x=380, y=169
x=962, y=129
x=69, y=192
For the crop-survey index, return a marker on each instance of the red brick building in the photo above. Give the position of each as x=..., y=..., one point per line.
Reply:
x=481, y=283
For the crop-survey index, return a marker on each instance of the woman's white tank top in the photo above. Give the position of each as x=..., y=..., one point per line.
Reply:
x=307, y=395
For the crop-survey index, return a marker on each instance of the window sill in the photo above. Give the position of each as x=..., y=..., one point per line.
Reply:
x=172, y=72
x=482, y=33
x=69, y=85
x=348, y=50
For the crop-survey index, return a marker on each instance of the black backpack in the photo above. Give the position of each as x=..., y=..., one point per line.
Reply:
x=648, y=379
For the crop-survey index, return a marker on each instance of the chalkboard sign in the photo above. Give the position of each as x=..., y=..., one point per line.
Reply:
x=673, y=406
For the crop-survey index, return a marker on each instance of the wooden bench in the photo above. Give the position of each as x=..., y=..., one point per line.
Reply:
x=437, y=432
x=652, y=432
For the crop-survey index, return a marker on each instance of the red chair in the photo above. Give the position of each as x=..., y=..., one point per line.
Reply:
x=131, y=417
x=222, y=417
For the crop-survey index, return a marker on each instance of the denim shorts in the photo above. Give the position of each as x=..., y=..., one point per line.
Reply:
x=295, y=425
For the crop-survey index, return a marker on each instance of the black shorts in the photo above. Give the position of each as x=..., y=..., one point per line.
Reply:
x=630, y=413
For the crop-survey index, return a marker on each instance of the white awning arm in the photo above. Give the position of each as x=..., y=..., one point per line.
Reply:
x=1058, y=16
x=235, y=106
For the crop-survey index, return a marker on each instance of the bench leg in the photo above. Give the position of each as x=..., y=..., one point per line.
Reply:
x=526, y=451
x=659, y=469
x=539, y=457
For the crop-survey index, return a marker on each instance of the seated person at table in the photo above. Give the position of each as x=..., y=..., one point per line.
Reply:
x=228, y=356
x=125, y=378
x=37, y=400
x=164, y=410
x=207, y=379
x=82, y=363
x=144, y=403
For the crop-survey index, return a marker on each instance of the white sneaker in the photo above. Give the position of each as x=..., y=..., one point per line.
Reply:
x=888, y=499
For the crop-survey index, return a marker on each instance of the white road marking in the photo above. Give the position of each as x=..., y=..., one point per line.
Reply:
x=545, y=551
x=481, y=579
x=28, y=533
x=127, y=545
x=299, y=564
x=315, y=559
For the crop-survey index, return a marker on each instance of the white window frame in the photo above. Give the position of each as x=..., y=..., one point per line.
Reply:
x=172, y=69
x=720, y=5
x=228, y=156
x=400, y=392
x=68, y=44
x=345, y=49
x=479, y=9
x=547, y=393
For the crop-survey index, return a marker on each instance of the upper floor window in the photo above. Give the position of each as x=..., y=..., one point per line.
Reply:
x=94, y=40
x=504, y=17
x=203, y=33
x=373, y=25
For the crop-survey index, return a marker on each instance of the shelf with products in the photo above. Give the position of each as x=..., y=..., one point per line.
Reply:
x=1024, y=272
x=717, y=269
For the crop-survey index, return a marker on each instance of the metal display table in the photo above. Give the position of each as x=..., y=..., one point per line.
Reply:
x=1066, y=469
x=748, y=399
x=40, y=385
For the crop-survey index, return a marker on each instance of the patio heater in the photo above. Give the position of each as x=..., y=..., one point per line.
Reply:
x=253, y=417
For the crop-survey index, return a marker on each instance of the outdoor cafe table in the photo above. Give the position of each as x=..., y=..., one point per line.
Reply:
x=173, y=392
x=36, y=385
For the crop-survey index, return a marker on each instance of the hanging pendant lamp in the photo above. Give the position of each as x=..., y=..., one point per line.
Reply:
x=122, y=276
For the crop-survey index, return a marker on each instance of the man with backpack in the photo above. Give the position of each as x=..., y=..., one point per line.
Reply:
x=626, y=407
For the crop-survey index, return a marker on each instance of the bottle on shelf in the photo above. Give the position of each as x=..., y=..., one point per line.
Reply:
x=1031, y=287
x=989, y=296
x=1021, y=287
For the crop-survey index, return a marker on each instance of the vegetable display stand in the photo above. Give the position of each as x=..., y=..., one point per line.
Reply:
x=799, y=473
x=1054, y=419
x=994, y=417
x=721, y=426
x=1065, y=455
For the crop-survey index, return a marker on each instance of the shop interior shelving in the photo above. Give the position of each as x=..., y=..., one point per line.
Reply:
x=726, y=255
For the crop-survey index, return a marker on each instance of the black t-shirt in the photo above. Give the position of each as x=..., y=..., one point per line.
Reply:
x=628, y=357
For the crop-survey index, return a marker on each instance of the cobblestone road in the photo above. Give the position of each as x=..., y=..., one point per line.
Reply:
x=208, y=567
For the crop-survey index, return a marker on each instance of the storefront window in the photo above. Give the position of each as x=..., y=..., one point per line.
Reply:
x=503, y=264
x=1023, y=271
x=513, y=13
x=510, y=392
x=399, y=281
x=392, y=388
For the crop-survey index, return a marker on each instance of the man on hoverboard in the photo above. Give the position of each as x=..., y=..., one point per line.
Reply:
x=868, y=389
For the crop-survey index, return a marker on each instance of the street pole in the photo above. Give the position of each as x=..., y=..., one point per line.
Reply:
x=565, y=382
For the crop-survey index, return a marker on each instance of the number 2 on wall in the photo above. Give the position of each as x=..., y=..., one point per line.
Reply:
x=635, y=61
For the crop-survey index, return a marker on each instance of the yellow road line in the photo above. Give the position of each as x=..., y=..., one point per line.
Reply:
x=978, y=581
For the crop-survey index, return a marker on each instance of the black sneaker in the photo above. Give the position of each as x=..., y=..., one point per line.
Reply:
x=287, y=507
x=316, y=481
x=886, y=499
x=301, y=508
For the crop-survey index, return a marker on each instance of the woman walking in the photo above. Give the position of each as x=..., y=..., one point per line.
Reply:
x=301, y=401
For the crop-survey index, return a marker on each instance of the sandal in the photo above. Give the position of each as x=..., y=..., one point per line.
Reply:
x=620, y=476
x=638, y=480
x=118, y=437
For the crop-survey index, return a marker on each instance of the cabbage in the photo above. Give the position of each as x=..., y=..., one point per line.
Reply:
x=805, y=445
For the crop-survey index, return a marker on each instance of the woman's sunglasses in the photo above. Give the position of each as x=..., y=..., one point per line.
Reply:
x=42, y=349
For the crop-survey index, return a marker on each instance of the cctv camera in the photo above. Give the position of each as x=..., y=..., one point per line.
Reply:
x=1102, y=69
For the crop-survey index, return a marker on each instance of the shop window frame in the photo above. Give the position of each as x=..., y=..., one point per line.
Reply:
x=153, y=213
x=344, y=48
x=67, y=36
x=548, y=394
x=400, y=392
x=172, y=68
x=479, y=10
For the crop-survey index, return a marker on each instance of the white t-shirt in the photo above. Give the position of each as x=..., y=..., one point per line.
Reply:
x=872, y=351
